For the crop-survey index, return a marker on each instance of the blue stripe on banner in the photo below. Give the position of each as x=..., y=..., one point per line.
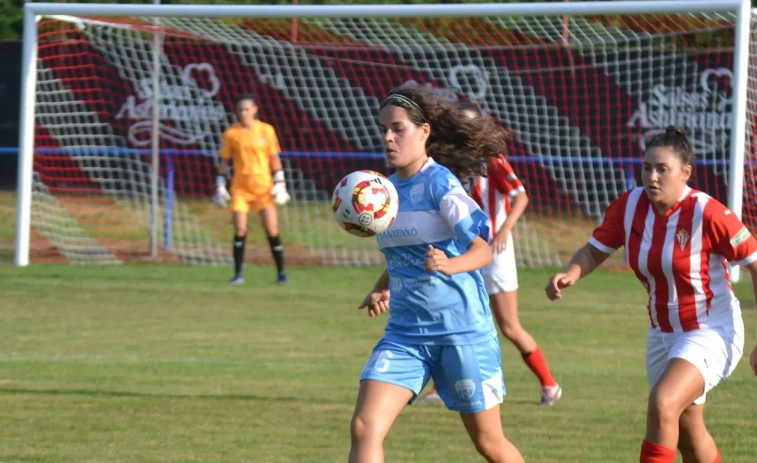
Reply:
x=344, y=155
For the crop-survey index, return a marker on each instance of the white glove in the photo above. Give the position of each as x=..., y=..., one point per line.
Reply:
x=222, y=196
x=279, y=190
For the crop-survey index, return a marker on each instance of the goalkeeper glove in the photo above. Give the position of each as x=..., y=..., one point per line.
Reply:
x=279, y=190
x=221, y=196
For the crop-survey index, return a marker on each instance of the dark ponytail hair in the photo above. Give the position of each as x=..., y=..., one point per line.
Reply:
x=457, y=142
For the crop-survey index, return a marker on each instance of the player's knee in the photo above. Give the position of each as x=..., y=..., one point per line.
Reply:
x=361, y=429
x=489, y=445
x=663, y=407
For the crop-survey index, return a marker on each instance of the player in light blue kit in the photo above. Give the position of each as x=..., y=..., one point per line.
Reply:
x=439, y=323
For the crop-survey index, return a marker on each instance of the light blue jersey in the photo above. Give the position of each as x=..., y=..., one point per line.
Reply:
x=433, y=308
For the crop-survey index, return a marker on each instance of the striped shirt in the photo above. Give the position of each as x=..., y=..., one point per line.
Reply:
x=494, y=193
x=680, y=256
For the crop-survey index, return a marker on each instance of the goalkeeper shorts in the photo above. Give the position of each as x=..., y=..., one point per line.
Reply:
x=244, y=201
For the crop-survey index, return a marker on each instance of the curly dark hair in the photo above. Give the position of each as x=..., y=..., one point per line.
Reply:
x=457, y=142
x=674, y=137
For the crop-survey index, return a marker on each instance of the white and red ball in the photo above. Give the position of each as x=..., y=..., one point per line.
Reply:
x=365, y=203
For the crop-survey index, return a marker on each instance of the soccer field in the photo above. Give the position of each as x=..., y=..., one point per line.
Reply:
x=161, y=363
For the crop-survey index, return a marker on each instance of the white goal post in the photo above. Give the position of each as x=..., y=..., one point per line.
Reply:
x=549, y=71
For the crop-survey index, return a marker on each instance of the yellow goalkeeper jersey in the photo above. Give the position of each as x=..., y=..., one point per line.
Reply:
x=250, y=151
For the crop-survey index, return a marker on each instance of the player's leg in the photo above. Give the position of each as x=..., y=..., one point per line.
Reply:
x=378, y=404
x=470, y=381
x=682, y=368
x=679, y=386
x=239, y=211
x=392, y=376
x=269, y=217
x=694, y=441
x=501, y=281
x=485, y=430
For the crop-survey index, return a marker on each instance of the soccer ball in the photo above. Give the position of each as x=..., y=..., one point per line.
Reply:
x=365, y=203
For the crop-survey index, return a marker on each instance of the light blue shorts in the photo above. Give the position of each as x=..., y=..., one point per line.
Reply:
x=468, y=377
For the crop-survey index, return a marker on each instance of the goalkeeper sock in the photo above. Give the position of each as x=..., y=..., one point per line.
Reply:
x=277, y=249
x=538, y=364
x=238, y=249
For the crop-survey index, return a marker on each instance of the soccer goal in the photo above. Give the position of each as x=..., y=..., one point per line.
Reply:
x=123, y=108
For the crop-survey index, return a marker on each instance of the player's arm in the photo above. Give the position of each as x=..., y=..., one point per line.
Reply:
x=478, y=255
x=377, y=299
x=221, y=196
x=518, y=207
x=279, y=190
x=583, y=262
x=223, y=167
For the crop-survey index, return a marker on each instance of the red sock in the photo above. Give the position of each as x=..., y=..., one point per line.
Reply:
x=655, y=453
x=538, y=364
x=717, y=458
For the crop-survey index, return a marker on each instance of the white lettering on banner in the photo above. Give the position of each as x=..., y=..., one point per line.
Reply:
x=705, y=113
x=184, y=104
x=471, y=75
x=470, y=72
x=443, y=93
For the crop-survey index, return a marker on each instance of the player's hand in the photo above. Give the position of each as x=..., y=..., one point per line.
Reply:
x=500, y=241
x=753, y=360
x=279, y=190
x=377, y=302
x=437, y=261
x=556, y=284
x=280, y=195
x=221, y=197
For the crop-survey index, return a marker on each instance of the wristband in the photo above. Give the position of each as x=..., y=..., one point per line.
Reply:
x=278, y=176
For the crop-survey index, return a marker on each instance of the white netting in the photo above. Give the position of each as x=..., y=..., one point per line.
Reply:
x=579, y=95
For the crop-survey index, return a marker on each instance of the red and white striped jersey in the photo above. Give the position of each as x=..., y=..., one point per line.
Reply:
x=494, y=192
x=679, y=256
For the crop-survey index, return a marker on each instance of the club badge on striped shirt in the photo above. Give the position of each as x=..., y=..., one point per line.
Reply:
x=682, y=236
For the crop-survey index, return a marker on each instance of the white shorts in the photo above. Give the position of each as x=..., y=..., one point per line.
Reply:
x=501, y=275
x=715, y=352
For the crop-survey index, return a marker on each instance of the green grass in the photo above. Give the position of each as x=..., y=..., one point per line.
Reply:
x=161, y=363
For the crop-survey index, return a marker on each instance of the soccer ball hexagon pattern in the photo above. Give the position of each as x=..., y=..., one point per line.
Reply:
x=365, y=203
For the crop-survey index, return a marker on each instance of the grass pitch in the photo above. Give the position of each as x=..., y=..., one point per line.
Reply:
x=162, y=363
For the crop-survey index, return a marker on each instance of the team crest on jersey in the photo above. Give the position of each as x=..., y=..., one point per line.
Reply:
x=416, y=192
x=682, y=236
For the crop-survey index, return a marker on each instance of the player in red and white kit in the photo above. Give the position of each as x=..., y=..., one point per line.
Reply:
x=678, y=242
x=503, y=198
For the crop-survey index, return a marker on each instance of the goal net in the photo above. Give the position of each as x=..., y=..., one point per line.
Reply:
x=580, y=95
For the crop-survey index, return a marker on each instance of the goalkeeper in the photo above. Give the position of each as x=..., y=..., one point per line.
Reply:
x=258, y=182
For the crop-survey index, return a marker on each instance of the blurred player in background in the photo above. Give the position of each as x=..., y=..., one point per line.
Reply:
x=678, y=242
x=439, y=324
x=258, y=182
x=501, y=195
